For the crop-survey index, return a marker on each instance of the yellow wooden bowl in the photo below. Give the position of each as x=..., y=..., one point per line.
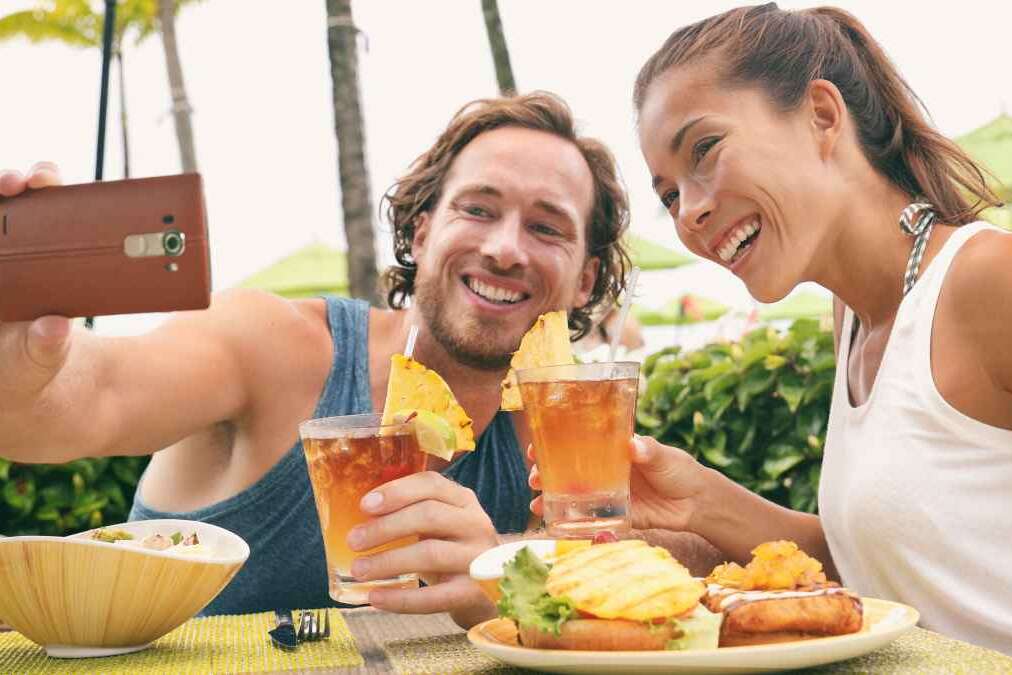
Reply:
x=76, y=596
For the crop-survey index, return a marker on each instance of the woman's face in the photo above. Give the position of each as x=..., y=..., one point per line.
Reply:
x=745, y=183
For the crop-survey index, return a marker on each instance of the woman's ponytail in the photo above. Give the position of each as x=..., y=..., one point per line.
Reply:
x=896, y=136
x=783, y=51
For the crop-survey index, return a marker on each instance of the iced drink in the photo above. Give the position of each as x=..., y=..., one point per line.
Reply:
x=581, y=420
x=347, y=457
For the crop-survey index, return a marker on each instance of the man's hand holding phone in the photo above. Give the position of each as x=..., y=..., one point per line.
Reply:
x=32, y=351
x=114, y=247
x=95, y=249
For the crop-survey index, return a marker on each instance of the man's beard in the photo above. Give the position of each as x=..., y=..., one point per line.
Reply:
x=478, y=354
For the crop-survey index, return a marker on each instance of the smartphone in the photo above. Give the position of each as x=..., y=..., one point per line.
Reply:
x=114, y=247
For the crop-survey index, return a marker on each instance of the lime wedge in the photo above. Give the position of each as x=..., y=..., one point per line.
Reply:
x=435, y=435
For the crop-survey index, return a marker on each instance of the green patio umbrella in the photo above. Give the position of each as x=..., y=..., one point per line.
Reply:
x=314, y=270
x=991, y=145
x=801, y=305
x=689, y=308
x=647, y=255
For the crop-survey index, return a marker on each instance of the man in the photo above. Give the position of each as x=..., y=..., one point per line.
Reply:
x=507, y=216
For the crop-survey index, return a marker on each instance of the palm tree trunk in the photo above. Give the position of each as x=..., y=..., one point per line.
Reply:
x=123, y=112
x=500, y=53
x=180, y=106
x=356, y=202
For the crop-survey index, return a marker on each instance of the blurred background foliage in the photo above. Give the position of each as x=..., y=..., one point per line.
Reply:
x=58, y=499
x=755, y=410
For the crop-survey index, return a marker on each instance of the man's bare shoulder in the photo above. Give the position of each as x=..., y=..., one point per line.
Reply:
x=258, y=319
x=271, y=338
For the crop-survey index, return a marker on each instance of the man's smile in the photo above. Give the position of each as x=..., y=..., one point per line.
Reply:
x=494, y=291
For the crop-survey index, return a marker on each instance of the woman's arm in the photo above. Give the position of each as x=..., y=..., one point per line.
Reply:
x=671, y=491
x=737, y=520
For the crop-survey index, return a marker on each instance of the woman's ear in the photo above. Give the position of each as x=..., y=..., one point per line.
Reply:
x=828, y=114
x=421, y=234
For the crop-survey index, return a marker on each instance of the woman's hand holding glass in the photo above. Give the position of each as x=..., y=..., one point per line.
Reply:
x=666, y=490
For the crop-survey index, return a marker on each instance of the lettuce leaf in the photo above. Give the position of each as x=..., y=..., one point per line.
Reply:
x=524, y=598
x=700, y=630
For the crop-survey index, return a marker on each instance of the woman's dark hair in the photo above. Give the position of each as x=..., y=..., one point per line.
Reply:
x=783, y=51
x=419, y=191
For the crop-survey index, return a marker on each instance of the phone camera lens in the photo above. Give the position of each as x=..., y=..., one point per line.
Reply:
x=173, y=242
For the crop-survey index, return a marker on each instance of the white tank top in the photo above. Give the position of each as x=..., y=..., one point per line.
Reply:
x=916, y=497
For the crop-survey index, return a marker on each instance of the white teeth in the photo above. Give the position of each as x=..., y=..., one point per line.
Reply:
x=493, y=293
x=735, y=239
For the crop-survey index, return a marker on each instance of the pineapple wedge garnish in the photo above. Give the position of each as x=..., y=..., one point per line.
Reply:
x=545, y=344
x=413, y=387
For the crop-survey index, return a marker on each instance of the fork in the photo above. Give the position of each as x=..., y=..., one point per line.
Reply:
x=312, y=627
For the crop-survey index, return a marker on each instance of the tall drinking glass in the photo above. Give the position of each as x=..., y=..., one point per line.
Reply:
x=581, y=420
x=347, y=457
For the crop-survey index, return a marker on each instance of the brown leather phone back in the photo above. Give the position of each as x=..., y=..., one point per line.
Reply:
x=116, y=247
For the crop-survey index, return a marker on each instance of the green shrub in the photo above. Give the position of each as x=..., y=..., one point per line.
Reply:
x=755, y=410
x=59, y=499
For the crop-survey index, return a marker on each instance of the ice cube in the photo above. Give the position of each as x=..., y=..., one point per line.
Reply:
x=319, y=470
x=556, y=393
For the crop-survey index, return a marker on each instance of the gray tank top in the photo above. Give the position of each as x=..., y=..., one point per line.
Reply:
x=277, y=515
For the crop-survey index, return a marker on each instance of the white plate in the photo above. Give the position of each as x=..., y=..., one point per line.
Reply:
x=884, y=621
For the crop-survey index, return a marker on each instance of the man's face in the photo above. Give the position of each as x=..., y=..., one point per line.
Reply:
x=506, y=242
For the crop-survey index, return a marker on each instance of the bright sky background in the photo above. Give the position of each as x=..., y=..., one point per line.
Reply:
x=258, y=76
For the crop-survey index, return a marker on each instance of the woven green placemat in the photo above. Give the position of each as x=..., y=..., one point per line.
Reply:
x=404, y=643
x=917, y=652
x=925, y=653
x=441, y=655
x=218, y=644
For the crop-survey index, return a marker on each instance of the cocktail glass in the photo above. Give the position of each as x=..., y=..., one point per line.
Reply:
x=581, y=421
x=347, y=457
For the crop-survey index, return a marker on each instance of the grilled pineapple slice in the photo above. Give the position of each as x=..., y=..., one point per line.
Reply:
x=625, y=580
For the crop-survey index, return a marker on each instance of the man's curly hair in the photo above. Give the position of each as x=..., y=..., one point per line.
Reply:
x=419, y=192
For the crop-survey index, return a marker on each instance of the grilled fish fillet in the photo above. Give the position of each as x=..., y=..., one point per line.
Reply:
x=756, y=617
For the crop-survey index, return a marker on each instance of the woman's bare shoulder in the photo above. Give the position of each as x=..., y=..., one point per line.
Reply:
x=979, y=290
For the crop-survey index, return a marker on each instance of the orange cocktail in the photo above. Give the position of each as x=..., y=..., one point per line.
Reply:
x=347, y=457
x=581, y=420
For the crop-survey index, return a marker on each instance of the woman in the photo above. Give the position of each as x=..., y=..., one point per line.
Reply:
x=786, y=147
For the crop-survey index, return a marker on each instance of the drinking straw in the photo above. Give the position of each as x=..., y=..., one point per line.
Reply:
x=409, y=348
x=624, y=312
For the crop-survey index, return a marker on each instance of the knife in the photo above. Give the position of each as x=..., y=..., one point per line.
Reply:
x=284, y=634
